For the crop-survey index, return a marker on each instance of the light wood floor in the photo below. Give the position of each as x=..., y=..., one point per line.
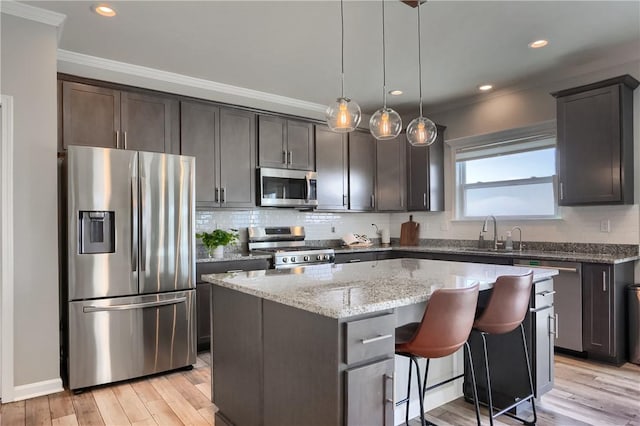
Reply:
x=585, y=393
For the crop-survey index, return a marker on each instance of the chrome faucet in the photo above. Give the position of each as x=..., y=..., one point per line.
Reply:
x=495, y=230
x=519, y=229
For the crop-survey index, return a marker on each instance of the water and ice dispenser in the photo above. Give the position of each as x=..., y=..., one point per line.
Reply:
x=97, y=232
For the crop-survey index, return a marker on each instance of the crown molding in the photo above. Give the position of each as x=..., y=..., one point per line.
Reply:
x=180, y=79
x=32, y=13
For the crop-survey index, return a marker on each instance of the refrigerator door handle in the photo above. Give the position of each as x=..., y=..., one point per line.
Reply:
x=143, y=244
x=128, y=307
x=134, y=224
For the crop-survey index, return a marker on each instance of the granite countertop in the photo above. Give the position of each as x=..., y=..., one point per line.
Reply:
x=607, y=258
x=235, y=257
x=342, y=291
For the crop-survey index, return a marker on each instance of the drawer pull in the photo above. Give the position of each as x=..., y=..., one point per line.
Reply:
x=354, y=260
x=376, y=339
x=546, y=293
x=234, y=270
x=542, y=308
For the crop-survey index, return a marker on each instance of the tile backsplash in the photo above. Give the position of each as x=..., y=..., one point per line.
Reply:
x=318, y=225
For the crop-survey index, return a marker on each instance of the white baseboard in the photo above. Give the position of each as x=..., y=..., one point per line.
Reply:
x=33, y=390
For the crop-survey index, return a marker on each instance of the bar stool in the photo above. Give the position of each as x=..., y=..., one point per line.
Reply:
x=507, y=307
x=444, y=328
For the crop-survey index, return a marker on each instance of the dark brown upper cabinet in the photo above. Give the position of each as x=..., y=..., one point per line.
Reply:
x=425, y=175
x=110, y=118
x=332, y=165
x=223, y=141
x=595, y=143
x=362, y=171
x=390, y=174
x=285, y=144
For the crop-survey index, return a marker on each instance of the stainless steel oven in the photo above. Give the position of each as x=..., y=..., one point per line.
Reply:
x=286, y=188
x=287, y=246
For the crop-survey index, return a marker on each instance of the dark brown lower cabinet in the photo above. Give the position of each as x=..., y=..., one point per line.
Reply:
x=203, y=292
x=603, y=310
x=367, y=387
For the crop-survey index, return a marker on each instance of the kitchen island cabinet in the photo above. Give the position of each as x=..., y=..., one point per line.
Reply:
x=315, y=345
x=203, y=291
x=109, y=118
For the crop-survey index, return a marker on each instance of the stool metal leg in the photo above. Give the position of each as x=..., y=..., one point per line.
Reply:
x=486, y=367
x=420, y=394
x=476, y=403
x=406, y=413
x=526, y=354
x=424, y=383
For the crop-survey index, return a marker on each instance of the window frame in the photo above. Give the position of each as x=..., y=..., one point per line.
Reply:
x=521, y=135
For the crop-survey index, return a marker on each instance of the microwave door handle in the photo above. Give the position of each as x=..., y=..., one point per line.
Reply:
x=308, y=188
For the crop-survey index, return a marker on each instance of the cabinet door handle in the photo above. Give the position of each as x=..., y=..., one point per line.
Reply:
x=117, y=139
x=604, y=281
x=373, y=200
x=290, y=157
x=124, y=136
x=284, y=157
x=344, y=200
x=376, y=339
x=424, y=199
x=388, y=396
x=234, y=270
x=223, y=195
x=217, y=194
x=561, y=191
x=354, y=260
x=553, y=330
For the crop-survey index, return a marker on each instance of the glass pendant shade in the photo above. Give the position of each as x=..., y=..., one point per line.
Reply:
x=343, y=116
x=421, y=132
x=385, y=123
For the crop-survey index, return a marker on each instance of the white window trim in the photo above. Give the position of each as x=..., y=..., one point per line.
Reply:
x=545, y=128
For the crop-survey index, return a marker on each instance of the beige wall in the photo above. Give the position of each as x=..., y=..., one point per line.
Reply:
x=29, y=75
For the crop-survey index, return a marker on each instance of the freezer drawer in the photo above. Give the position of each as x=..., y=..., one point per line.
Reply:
x=126, y=337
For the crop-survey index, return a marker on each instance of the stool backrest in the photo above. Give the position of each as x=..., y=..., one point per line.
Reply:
x=508, y=304
x=446, y=323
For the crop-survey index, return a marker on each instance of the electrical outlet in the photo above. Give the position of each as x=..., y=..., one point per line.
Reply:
x=333, y=229
x=605, y=225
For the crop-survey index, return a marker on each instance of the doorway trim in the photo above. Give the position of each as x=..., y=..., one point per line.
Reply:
x=6, y=270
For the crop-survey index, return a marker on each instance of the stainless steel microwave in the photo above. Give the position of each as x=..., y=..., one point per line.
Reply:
x=287, y=188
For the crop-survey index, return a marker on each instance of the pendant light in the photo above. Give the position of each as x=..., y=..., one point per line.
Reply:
x=421, y=131
x=344, y=115
x=385, y=123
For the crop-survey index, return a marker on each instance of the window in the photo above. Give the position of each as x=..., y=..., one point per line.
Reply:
x=507, y=177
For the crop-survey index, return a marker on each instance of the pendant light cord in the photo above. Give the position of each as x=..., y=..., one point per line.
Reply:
x=342, y=44
x=384, y=64
x=419, y=59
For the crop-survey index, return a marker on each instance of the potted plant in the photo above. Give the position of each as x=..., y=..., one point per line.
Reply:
x=216, y=240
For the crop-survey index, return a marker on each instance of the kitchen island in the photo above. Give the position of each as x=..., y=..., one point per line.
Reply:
x=315, y=345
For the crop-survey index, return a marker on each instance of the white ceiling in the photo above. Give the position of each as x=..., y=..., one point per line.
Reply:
x=292, y=48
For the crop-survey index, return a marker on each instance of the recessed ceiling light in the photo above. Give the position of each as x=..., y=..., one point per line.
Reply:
x=104, y=10
x=395, y=92
x=485, y=87
x=538, y=44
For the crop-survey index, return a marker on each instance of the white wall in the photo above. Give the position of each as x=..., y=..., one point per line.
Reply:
x=29, y=75
x=513, y=109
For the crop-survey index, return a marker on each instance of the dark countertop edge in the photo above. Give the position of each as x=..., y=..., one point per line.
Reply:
x=534, y=255
x=234, y=257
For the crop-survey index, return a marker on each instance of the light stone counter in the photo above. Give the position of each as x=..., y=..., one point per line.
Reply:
x=346, y=290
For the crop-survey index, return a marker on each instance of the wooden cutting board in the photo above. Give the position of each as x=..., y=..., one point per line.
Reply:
x=409, y=233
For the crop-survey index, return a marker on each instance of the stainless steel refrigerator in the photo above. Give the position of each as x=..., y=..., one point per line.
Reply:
x=130, y=264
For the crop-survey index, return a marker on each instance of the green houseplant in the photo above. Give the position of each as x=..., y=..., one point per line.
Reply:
x=214, y=241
